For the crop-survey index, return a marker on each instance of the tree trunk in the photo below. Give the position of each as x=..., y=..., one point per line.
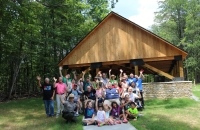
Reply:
x=16, y=71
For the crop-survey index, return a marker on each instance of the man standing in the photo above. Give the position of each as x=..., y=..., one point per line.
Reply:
x=48, y=96
x=86, y=82
x=66, y=79
x=69, y=109
x=131, y=79
x=104, y=79
x=139, y=85
x=61, y=90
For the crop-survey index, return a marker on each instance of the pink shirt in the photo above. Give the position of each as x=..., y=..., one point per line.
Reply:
x=98, y=93
x=61, y=88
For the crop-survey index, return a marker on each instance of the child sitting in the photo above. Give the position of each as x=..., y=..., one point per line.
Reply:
x=107, y=110
x=89, y=115
x=117, y=113
x=101, y=115
x=132, y=112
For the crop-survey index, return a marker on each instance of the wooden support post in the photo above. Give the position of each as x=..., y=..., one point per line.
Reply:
x=172, y=72
x=80, y=75
x=97, y=70
x=136, y=70
x=65, y=72
x=159, y=71
x=181, y=68
x=178, y=69
x=175, y=71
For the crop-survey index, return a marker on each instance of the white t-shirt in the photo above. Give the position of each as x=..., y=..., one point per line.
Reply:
x=136, y=89
x=132, y=96
x=100, y=115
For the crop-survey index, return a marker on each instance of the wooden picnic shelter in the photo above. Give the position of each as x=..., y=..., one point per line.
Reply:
x=118, y=43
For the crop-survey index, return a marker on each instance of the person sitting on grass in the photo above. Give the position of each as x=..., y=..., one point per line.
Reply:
x=132, y=112
x=48, y=96
x=69, y=109
x=116, y=113
x=101, y=115
x=89, y=115
x=109, y=120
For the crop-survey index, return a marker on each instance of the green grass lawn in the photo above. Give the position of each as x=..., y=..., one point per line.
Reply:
x=29, y=114
x=171, y=114
x=196, y=90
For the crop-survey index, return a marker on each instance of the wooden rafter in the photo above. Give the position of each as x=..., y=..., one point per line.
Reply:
x=159, y=71
x=80, y=75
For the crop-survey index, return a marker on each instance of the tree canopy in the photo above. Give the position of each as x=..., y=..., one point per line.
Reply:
x=36, y=34
x=178, y=22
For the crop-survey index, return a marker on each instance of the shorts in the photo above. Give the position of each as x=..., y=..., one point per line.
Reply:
x=109, y=102
x=87, y=119
x=132, y=117
x=102, y=120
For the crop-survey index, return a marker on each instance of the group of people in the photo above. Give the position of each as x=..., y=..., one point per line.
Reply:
x=103, y=101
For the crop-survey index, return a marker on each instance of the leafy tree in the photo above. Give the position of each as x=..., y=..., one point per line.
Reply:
x=178, y=22
x=36, y=34
x=170, y=20
x=191, y=40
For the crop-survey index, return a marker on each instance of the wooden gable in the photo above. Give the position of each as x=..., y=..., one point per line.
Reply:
x=118, y=39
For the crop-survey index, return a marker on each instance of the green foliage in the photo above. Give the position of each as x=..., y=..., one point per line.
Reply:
x=178, y=22
x=43, y=31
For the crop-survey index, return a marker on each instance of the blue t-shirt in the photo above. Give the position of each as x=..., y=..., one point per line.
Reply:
x=139, y=83
x=130, y=80
x=76, y=96
x=89, y=112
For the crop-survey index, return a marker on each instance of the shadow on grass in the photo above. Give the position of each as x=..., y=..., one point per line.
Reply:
x=29, y=114
x=28, y=103
x=160, y=122
x=31, y=122
x=171, y=103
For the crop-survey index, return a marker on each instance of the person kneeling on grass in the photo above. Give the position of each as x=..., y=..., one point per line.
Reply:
x=89, y=115
x=132, y=112
x=75, y=90
x=69, y=109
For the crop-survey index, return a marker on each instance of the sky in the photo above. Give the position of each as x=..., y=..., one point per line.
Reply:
x=140, y=12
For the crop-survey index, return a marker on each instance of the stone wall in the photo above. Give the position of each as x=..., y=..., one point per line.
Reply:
x=163, y=90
